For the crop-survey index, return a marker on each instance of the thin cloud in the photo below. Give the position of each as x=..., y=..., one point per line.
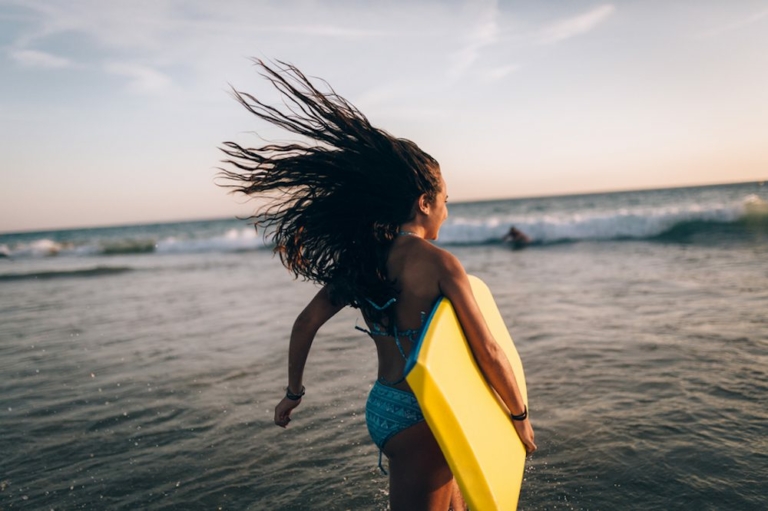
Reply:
x=326, y=31
x=40, y=59
x=386, y=95
x=483, y=34
x=142, y=79
x=736, y=24
x=412, y=114
x=130, y=25
x=113, y=25
x=498, y=73
x=571, y=27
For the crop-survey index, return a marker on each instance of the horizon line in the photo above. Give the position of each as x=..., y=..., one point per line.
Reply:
x=472, y=201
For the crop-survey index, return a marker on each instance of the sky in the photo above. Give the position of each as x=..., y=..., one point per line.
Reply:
x=113, y=112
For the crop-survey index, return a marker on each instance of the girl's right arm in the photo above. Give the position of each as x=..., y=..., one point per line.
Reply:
x=493, y=362
x=314, y=315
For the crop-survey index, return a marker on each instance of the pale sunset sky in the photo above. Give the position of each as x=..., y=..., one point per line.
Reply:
x=111, y=112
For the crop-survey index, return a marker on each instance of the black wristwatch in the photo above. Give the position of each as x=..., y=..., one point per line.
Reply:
x=514, y=417
x=294, y=397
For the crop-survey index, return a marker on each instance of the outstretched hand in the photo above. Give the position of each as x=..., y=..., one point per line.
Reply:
x=283, y=411
x=525, y=432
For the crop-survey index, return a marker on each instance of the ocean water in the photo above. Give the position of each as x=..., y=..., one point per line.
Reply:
x=139, y=365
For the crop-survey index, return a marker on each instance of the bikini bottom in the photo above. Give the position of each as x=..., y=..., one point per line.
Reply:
x=388, y=412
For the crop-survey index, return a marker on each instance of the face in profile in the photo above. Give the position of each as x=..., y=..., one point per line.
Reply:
x=438, y=211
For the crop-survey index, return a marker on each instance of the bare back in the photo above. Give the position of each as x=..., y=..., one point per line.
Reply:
x=413, y=264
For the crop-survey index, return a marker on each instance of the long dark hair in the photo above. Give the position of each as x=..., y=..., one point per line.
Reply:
x=335, y=204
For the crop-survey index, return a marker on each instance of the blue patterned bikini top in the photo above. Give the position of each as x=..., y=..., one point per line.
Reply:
x=412, y=334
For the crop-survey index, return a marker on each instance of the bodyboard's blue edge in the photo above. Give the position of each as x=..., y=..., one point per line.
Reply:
x=413, y=356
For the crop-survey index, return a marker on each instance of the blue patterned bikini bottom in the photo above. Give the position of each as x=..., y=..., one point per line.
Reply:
x=388, y=412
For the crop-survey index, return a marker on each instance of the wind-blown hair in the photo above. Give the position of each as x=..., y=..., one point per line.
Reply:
x=335, y=204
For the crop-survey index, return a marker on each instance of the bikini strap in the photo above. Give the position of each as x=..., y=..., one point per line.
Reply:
x=391, y=383
x=363, y=330
x=381, y=307
x=381, y=467
x=377, y=330
x=399, y=346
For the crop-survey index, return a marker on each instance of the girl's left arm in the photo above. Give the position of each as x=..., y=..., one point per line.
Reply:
x=490, y=358
x=319, y=310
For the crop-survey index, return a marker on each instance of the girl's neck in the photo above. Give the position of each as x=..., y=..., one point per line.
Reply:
x=414, y=231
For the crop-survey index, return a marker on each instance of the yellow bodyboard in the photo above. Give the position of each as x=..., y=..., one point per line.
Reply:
x=469, y=421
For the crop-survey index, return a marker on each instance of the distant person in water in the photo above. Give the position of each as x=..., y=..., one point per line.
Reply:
x=517, y=238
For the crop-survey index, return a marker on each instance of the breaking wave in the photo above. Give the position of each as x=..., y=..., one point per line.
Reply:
x=233, y=240
x=98, y=271
x=668, y=223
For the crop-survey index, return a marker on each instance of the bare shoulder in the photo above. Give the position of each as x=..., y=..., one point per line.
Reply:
x=447, y=267
x=421, y=261
x=451, y=275
x=436, y=257
x=448, y=263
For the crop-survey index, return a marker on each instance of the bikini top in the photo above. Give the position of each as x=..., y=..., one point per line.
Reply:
x=412, y=334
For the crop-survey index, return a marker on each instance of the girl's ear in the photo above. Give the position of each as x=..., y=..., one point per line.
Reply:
x=424, y=204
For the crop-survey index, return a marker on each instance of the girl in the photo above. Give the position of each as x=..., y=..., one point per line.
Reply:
x=355, y=211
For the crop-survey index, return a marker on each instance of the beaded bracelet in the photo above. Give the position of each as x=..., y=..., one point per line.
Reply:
x=294, y=397
x=520, y=417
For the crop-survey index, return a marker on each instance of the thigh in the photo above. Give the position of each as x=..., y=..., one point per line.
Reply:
x=419, y=477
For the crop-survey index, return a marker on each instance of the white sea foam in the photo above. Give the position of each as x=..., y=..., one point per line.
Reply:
x=43, y=247
x=754, y=205
x=234, y=240
x=625, y=223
